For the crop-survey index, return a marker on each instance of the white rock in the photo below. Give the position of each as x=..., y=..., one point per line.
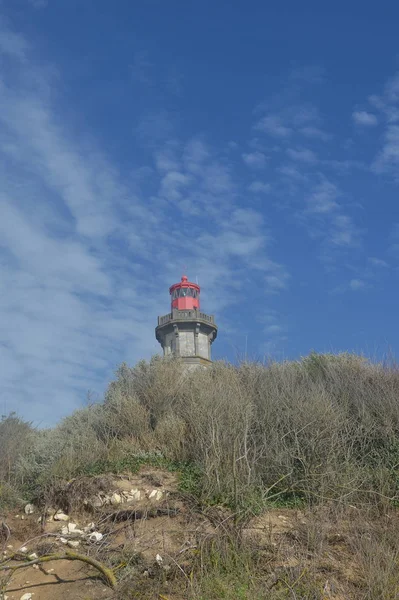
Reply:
x=33, y=556
x=30, y=509
x=73, y=528
x=63, y=540
x=159, y=559
x=24, y=550
x=64, y=530
x=116, y=499
x=60, y=516
x=89, y=527
x=159, y=495
x=73, y=543
x=96, y=536
x=136, y=493
x=27, y=596
x=152, y=494
x=10, y=546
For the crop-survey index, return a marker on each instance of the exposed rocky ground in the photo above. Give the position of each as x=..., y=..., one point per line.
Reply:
x=152, y=539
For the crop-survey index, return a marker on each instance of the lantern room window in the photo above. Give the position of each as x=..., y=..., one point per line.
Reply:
x=184, y=292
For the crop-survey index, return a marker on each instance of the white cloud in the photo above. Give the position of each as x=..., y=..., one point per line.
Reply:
x=362, y=117
x=356, y=285
x=259, y=187
x=323, y=199
x=12, y=44
x=302, y=155
x=343, y=231
x=378, y=262
x=255, y=160
x=274, y=125
x=387, y=160
x=316, y=133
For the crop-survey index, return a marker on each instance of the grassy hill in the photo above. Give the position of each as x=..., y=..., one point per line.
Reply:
x=318, y=438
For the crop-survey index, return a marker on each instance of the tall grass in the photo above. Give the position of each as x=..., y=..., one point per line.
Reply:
x=322, y=428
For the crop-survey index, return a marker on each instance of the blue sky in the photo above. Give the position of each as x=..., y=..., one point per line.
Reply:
x=255, y=145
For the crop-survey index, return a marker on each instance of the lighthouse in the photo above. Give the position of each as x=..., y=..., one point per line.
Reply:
x=186, y=332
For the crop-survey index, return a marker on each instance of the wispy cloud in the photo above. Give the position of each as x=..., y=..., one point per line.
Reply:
x=38, y=4
x=355, y=285
x=302, y=155
x=387, y=158
x=86, y=249
x=259, y=187
x=274, y=125
x=255, y=160
x=362, y=117
x=323, y=198
x=378, y=262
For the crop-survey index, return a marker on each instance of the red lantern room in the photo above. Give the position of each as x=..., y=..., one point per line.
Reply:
x=185, y=295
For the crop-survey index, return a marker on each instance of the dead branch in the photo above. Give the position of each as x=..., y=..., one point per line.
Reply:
x=107, y=573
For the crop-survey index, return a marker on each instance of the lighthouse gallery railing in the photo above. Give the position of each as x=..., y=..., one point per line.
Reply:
x=183, y=315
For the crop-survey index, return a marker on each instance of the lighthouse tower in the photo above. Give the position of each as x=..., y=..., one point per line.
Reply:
x=186, y=332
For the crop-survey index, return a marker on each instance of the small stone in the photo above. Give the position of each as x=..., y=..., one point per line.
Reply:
x=89, y=527
x=116, y=499
x=50, y=571
x=29, y=509
x=96, y=536
x=159, y=559
x=26, y=596
x=60, y=516
x=35, y=566
x=63, y=540
x=33, y=556
x=23, y=550
x=64, y=530
x=22, y=517
x=159, y=495
x=73, y=543
x=152, y=494
x=10, y=546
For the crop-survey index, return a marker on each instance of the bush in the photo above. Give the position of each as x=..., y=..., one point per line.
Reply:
x=322, y=428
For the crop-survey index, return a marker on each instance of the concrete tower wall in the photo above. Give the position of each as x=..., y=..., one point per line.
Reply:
x=204, y=345
x=186, y=343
